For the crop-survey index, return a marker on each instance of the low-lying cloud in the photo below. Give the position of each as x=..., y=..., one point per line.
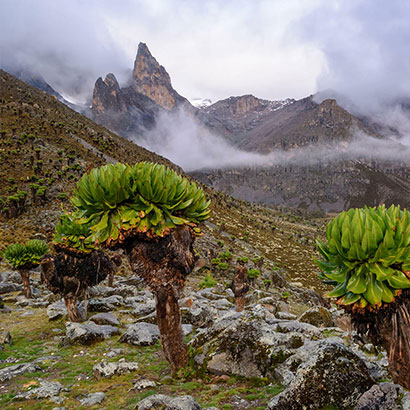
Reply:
x=178, y=137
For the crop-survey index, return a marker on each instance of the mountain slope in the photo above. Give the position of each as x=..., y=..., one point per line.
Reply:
x=45, y=144
x=302, y=123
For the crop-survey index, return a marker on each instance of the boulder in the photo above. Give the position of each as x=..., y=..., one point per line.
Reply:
x=317, y=316
x=88, y=332
x=9, y=372
x=9, y=287
x=56, y=310
x=143, y=309
x=105, y=319
x=92, y=399
x=108, y=369
x=332, y=375
x=245, y=346
x=100, y=305
x=5, y=337
x=45, y=390
x=163, y=402
x=141, y=334
x=383, y=396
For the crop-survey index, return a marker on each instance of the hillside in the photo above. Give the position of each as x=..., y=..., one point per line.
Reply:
x=46, y=146
x=254, y=360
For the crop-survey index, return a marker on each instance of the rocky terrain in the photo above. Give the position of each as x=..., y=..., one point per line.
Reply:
x=289, y=349
x=317, y=188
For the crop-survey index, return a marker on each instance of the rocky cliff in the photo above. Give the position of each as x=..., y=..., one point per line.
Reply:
x=242, y=114
x=302, y=123
x=325, y=187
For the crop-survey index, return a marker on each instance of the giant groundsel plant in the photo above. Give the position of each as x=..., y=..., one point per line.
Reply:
x=367, y=259
x=153, y=214
x=121, y=200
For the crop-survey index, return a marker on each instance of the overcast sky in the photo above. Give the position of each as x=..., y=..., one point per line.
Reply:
x=214, y=49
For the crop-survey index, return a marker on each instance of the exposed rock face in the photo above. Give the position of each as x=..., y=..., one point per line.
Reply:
x=332, y=375
x=152, y=80
x=242, y=114
x=302, y=123
x=330, y=186
x=88, y=333
x=107, y=95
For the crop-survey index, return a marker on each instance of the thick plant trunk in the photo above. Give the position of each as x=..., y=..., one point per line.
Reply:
x=73, y=313
x=25, y=276
x=240, y=286
x=240, y=303
x=390, y=326
x=170, y=328
x=163, y=263
x=110, y=279
x=395, y=334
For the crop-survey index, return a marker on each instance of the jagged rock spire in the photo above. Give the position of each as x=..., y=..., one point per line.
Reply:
x=152, y=80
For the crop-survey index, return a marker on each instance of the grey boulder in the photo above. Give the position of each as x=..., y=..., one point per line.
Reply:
x=163, y=402
x=141, y=334
x=88, y=332
x=332, y=375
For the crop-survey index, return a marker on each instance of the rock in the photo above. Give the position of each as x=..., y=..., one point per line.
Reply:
x=8, y=373
x=151, y=318
x=105, y=319
x=100, y=305
x=244, y=345
x=383, y=396
x=317, y=316
x=115, y=352
x=5, y=337
x=142, y=309
x=187, y=329
x=286, y=316
x=106, y=369
x=57, y=310
x=332, y=374
x=115, y=300
x=200, y=314
x=141, y=334
x=45, y=390
x=92, y=399
x=296, y=326
x=9, y=287
x=10, y=276
x=88, y=332
x=144, y=384
x=163, y=402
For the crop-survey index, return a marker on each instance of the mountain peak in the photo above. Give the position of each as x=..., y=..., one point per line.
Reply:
x=152, y=80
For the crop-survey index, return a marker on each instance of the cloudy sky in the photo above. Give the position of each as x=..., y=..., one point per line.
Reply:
x=218, y=48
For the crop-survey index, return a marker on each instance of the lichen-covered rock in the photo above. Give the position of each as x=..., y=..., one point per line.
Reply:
x=88, y=332
x=5, y=337
x=106, y=369
x=56, y=310
x=9, y=287
x=317, y=316
x=92, y=399
x=9, y=372
x=383, y=396
x=45, y=390
x=141, y=334
x=105, y=319
x=163, y=402
x=247, y=346
x=332, y=375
